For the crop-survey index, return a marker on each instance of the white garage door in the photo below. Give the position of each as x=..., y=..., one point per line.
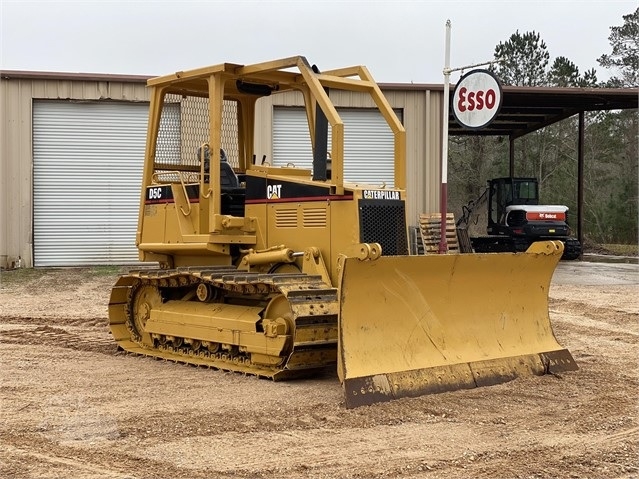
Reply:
x=87, y=160
x=368, y=143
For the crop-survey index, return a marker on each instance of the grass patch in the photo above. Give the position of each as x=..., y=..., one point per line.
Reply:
x=622, y=249
x=105, y=270
x=20, y=276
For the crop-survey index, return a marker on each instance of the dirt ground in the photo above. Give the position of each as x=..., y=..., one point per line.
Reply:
x=72, y=406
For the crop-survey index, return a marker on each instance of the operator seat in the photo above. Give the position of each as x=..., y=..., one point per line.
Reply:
x=228, y=178
x=232, y=194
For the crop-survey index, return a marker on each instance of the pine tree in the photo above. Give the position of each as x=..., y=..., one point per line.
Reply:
x=524, y=59
x=624, y=57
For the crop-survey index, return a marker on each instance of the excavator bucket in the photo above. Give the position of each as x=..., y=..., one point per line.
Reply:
x=413, y=325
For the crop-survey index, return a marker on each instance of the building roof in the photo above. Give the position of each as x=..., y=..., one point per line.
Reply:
x=37, y=75
x=523, y=110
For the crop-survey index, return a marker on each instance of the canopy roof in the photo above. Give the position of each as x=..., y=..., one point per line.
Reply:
x=526, y=109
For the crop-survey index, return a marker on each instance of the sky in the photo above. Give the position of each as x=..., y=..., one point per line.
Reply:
x=399, y=41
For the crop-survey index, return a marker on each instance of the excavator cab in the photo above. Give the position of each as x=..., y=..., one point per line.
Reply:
x=505, y=192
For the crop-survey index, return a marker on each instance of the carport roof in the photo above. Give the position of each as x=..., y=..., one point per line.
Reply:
x=526, y=109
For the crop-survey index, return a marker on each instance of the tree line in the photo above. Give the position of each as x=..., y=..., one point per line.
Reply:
x=611, y=156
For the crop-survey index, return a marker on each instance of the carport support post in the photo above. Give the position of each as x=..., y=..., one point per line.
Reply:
x=580, y=182
x=511, y=156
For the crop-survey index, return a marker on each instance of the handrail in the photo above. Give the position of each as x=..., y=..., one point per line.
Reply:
x=154, y=179
x=204, y=147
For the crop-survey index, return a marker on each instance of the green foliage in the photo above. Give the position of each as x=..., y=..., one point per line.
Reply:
x=474, y=160
x=611, y=178
x=105, y=270
x=589, y=79
x=624, y=57
x=12, y=277
x=563, y=73
x=524, y=60
x=622, y=249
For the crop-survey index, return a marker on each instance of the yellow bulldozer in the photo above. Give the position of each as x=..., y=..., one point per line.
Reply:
x=282, y=271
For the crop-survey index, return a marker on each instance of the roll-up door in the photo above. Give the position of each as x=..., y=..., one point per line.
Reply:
x=368, y=143
x=87, y=159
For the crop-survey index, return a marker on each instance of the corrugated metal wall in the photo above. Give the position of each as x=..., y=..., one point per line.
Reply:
x=421, y=109
x=16, y=152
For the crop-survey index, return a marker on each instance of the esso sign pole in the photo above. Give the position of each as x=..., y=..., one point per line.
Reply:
x=443, y=192
x=476, y=102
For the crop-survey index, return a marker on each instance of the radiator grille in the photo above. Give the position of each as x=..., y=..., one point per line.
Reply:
x=314, y=218
x=286, y=218
x=384, y=222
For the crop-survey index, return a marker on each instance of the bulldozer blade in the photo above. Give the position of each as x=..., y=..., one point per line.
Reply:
x=413, y=325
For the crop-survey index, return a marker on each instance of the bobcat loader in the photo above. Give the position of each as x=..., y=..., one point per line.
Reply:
x=280, y=272
x=516, y=219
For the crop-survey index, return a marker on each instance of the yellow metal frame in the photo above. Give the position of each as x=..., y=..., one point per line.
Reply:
x=218, y=83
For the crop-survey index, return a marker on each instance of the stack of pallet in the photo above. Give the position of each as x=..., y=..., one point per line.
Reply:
x=430, y=229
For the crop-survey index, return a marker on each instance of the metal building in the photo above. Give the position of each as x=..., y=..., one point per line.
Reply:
x=72, y=148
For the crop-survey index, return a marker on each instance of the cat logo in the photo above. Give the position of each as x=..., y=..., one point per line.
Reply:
x=274, y=192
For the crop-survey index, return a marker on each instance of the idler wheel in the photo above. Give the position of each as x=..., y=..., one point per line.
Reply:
x=145, y=299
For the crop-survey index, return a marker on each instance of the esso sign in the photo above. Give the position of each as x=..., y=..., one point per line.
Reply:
x=477, y=99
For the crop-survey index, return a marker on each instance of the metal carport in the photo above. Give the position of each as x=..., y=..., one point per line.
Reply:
x=527, y=109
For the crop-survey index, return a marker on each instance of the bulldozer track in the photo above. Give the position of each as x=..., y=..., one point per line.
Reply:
x=313, y=303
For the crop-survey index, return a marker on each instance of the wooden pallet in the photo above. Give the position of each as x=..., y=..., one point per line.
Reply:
x=430, y=229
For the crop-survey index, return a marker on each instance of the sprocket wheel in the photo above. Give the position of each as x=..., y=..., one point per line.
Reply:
x=144, y=298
